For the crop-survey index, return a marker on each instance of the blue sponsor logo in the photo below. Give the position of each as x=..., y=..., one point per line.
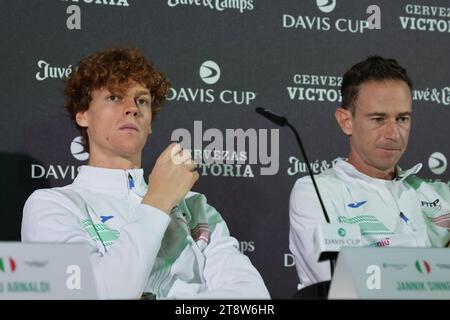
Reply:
x=355, y=205
x=106, y=218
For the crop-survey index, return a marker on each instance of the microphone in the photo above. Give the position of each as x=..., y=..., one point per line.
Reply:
x=328, y=238
x=279, y=120
x=282, y=121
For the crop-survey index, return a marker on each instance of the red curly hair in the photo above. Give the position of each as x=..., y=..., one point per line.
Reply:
x=112, y=69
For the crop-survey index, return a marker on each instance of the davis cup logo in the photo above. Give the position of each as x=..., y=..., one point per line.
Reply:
x=326, y=5
x=341, y=232
x=423, y=267
x=437, y=163
x=77, y=149
x=209, y=72
x=7, y=265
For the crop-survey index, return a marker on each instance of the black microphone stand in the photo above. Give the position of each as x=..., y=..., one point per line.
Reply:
x=318, y=289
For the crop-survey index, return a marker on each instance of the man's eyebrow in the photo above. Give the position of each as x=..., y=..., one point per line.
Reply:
x=383, y=114
x=376, y=114
x=142, y=92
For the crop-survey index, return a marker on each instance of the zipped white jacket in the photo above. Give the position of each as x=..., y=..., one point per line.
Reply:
x=404, y=212
x=136, y=248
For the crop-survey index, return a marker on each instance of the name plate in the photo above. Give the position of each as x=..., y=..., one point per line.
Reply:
x=391, y=273
x=38, y=271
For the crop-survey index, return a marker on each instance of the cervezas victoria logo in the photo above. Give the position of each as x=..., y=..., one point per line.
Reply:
x=118, y=3
x=425, y=18
x=73, y=10
x=315, y=87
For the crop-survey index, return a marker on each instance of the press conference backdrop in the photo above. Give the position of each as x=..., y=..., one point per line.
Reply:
x=223, y=58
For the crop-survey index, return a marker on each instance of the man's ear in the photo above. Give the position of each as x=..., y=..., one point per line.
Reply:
x=81, y=119
x=344, y=118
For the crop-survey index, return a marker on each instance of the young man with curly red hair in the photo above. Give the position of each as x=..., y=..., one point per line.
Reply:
x=160, y=239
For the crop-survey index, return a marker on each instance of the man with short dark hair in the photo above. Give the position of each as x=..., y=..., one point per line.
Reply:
x=369, y=189
x=161, y=239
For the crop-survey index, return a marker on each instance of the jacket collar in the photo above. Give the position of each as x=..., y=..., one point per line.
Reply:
x=111, y=180
x=343, y=167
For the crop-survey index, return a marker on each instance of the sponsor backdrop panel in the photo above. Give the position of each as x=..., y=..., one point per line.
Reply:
x=224, y=59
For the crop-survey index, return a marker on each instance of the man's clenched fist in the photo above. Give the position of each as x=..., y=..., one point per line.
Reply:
x=171, y=179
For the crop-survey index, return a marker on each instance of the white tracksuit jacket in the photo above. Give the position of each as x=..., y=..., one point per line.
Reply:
x=375, y=205
x=136, y=248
